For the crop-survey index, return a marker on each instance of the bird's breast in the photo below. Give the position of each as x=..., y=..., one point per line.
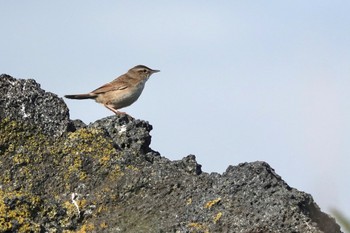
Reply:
x=123, y=98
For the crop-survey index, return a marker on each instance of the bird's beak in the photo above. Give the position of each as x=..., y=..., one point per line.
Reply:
x=155, y=71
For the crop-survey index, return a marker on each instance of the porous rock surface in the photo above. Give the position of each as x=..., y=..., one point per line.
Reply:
x=24, y=100
x=59, y=175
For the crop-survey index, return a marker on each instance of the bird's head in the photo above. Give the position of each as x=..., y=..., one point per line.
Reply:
x=142, y=71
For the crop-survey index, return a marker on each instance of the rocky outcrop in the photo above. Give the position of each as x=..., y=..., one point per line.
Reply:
x=24, y=100
x=59, y=175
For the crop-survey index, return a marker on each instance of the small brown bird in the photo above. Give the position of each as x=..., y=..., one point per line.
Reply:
x=122, y=91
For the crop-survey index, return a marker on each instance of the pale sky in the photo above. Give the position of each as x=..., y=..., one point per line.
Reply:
x=240, y=81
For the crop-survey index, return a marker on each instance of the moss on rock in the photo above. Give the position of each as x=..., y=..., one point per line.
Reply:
x=59, y=175
x=34, y=164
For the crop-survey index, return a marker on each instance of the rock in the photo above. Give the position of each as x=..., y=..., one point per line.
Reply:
x=59, y=175
x=126, y=132
x=23, y=100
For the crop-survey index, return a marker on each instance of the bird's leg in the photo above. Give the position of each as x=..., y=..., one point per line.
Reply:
x=114, y=110
x=111, y=108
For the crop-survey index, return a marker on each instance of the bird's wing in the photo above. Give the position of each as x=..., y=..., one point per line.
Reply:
x=117, y=84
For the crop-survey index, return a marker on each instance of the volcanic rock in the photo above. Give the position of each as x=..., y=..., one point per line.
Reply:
x=60, y=175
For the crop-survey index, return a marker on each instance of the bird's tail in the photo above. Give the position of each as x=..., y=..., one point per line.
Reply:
x=81, y=96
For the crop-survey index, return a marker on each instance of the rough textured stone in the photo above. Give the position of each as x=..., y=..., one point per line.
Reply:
x=104, y=177
x=24, y=100
x=128, y=133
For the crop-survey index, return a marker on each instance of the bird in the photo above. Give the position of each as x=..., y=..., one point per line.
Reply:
x=122, y=91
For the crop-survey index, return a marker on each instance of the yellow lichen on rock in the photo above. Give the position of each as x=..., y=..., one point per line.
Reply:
x=217, y=217
x=211, y=203
x=18, y=208
x=198, y=227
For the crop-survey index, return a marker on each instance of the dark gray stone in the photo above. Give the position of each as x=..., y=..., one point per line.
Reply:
x=125, y=186
x=126, y=132
x=24, y=100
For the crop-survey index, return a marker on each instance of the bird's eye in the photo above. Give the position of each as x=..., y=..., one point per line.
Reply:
x=145, y=71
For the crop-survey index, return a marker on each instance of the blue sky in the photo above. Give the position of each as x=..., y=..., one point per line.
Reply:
x=240, y=81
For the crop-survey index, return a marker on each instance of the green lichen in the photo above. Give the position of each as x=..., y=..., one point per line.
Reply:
x=85, y=145
x=34, y=164
x=17, y=209
x=198, y=227
x=217, y=217
x=211, y=203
